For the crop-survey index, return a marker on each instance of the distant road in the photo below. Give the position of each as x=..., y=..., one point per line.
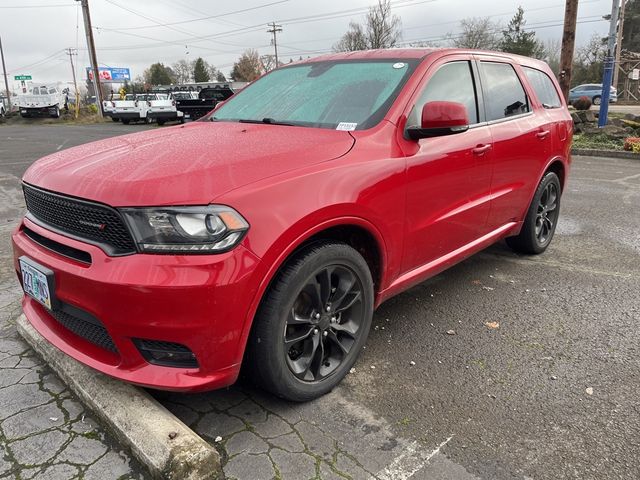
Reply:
x=635, y=109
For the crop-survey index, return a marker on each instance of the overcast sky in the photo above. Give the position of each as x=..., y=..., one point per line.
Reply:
x=129, y=33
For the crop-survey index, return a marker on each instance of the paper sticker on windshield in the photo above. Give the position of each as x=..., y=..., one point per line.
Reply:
x=399, y=65
x=346, y=126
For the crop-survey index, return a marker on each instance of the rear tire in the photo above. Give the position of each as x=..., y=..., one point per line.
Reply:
x=115, y=119
x=542, y=217
x=161, y=122
x=126, y=121
x=312, y=323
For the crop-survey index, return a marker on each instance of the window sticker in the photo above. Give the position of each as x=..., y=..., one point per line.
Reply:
x=399, y=65
x=346, y=126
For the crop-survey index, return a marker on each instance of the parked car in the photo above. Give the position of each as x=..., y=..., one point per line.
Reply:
x=133, y=108
x=593, y=91
x=266, y=236
x=45, y=100
x=163, y=109
x=205, y=100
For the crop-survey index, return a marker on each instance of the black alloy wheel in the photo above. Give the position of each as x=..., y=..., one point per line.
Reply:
x=312, y=322
x=323, y=323
x=547, y=214
x=541, y=220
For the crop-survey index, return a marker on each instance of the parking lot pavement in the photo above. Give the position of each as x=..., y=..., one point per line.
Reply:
x=523, y=367
x=45, y=433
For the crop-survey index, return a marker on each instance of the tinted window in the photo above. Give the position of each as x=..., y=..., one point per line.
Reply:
x=332, y=94
x=544, y=88
x=452, y=82
x=504, y=95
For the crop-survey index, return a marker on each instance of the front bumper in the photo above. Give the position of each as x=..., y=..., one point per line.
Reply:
x=164, y=115
x=126, y=115
x=200, y=301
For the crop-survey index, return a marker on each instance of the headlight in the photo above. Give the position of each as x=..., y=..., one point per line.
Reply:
x=210, y=229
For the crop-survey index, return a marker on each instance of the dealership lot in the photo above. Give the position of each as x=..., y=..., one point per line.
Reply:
x=503, y=367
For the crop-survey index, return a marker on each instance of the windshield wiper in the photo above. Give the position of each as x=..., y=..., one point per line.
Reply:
x=267, y=120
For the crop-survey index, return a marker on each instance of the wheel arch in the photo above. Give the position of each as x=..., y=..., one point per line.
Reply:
x=354, y=231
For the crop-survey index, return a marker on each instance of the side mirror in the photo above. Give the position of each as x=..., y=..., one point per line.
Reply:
x=439, y=119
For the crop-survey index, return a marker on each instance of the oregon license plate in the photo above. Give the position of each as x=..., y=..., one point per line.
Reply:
x=37, y=282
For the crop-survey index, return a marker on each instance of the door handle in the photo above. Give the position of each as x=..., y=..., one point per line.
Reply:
x=542, y=134
x=481, y=149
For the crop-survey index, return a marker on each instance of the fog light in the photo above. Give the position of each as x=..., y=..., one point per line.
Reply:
x=167, y=354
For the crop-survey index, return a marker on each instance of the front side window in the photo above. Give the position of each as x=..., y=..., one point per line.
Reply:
x=544, y=88
x=504, y=94
x=453, y=82
x=348, y=95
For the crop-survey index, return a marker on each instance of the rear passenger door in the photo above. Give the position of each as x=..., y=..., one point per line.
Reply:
x=521, y=140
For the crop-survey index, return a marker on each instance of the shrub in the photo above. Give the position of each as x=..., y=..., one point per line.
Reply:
x=583, y=103
x=632, y=144
x=93, y=108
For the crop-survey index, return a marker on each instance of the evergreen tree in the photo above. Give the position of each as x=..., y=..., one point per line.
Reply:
x=200, y=71
x=515, y=39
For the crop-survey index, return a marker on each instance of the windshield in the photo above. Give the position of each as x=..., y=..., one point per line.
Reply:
x=347, y=95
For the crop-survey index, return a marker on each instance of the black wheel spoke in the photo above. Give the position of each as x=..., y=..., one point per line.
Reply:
x=324, y=323
x=299, y=336
x=351, y=299
x=333, y=337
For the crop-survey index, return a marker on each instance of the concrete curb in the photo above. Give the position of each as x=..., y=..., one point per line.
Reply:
x=161, y=442
x=589, y=152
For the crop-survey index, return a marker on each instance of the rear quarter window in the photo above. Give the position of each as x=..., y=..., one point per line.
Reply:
x=504, y=94
x=544, y=88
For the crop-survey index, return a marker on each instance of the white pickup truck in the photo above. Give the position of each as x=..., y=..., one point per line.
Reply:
x=43, y=100
x=133, y=108
x=163, y=109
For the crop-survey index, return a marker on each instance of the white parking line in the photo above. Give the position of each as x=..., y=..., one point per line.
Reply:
x=409, y=462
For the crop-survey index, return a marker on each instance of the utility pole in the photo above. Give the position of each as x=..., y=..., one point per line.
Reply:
x=568, y=45
x=274, y=30
x=608, y=66
x=71, y=52
x=92, y=54
x=6, y=82
x=616, y=67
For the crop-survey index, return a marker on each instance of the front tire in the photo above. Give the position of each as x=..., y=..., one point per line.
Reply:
x=126, y=121
x=312, y=322
x=597, y=100
x=542, y=217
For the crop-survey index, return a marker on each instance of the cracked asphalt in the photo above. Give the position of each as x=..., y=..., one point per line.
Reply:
x=503, y=367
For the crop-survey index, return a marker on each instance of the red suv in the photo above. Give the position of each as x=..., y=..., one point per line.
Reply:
x=266, y=235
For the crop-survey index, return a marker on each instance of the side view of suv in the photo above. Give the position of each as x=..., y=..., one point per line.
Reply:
x=265, y=236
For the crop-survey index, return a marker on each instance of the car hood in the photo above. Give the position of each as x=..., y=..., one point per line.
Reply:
x=191, y=164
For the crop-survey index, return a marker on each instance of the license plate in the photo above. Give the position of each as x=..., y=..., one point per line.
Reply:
x=37, y=282
x=186, y=115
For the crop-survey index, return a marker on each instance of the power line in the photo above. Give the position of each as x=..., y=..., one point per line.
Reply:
x=210, y=17
x=39, y=6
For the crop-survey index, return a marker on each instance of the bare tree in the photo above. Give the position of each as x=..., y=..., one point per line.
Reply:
x=354, y=39
x=248, y=67
x=382, y=29
x=552, y=48
x=477, y=33
x=183, y=71
x=268, y=62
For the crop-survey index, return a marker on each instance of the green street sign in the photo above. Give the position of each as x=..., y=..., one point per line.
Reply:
x=22, y=77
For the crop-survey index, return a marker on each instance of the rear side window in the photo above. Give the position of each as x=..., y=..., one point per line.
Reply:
x=453, y=82
x=544, y=88
x=504, y=94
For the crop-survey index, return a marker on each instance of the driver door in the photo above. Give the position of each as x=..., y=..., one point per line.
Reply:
x=448, y=177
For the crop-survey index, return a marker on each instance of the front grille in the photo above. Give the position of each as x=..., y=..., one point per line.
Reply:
x=89, y=328
x=88, y=221
x=57, y=247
